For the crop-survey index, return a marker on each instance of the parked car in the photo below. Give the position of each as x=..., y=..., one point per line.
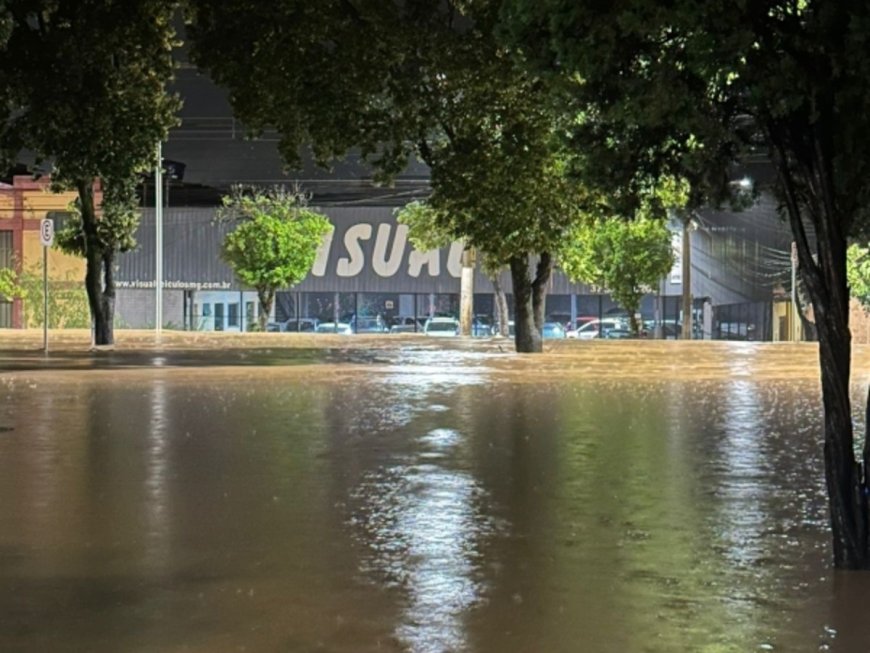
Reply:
x=598, y=328
x=341, y=328
x=305, y=325
x=441, y=327
x=482, y=326
x=405, y=324
x=366, y=323
x=571, y=329
x=552, y=330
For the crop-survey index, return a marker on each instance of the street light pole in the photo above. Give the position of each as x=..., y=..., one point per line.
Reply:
x=158, y=241
x=687, y=280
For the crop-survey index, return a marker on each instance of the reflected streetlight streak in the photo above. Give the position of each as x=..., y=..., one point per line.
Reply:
x=157, y=492
x=422, y=524
x=743, y=487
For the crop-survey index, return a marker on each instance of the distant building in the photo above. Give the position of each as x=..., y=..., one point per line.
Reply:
x=23, y=204
x=740, y=272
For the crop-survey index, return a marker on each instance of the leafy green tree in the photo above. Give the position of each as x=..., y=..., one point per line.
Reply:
x=627, y=257
x=396, y=80
x=275, y=243
x=687, y=89
x=858, y=270
x=83, y=84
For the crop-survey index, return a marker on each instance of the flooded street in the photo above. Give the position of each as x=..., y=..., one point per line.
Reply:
x=610, y=497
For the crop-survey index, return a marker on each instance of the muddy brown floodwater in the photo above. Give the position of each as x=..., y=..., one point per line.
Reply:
x=630, y=497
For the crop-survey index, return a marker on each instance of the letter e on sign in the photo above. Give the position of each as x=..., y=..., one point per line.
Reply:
x=46, y=232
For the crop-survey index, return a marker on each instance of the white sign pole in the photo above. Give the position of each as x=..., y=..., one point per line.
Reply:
x=46, y=238
x=158, y=241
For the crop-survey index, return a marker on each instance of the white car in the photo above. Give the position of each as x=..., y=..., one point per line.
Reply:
x=596, y=329
x=442, y=327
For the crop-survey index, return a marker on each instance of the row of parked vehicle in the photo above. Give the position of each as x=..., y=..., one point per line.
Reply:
x=585, y=328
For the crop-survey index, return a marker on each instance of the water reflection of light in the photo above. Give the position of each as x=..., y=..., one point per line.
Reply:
x=741, y=361
x=423, y=526
x=157, y=492
x=743, y=482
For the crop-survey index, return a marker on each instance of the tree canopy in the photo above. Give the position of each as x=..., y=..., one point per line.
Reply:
x=83, y=88
x=275, y=243
x=397, y=80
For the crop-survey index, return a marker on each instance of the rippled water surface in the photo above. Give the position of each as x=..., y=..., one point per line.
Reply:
x=615, y=497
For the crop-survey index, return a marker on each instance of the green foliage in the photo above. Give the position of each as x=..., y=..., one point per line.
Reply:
x=426, y=231
x=115, y=229
x=625, y=257
x=687, y=90
x=9, y=285
x=858, y=270
x=67, y=301
x=425, y=226
x=275, y=243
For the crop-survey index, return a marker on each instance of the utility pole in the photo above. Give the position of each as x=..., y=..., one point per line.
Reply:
x=466, y=291
x=687, y=279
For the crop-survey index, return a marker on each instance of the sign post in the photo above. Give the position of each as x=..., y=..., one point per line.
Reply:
x=46, y=239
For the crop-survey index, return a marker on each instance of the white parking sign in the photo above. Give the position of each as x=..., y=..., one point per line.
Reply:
x=46, y=232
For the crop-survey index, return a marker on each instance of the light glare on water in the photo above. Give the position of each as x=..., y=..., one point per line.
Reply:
x=639, y=498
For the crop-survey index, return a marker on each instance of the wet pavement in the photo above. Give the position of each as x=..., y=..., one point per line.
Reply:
x=286, y=495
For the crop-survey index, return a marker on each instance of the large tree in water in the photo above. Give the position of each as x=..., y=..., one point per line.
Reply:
x=681, y=88
x=83, y=89
x=402, y=80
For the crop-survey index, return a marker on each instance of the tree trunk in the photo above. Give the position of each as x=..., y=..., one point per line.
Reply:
x=543, y=273
x=266, y=297
x=632, y=317
x=501, y=306
x=826, y=283
x=528, y=337
x=100, y=305
x=107, y=301
x=847, y=498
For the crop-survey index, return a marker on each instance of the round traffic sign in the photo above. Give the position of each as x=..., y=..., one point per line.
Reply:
x=46, y=232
